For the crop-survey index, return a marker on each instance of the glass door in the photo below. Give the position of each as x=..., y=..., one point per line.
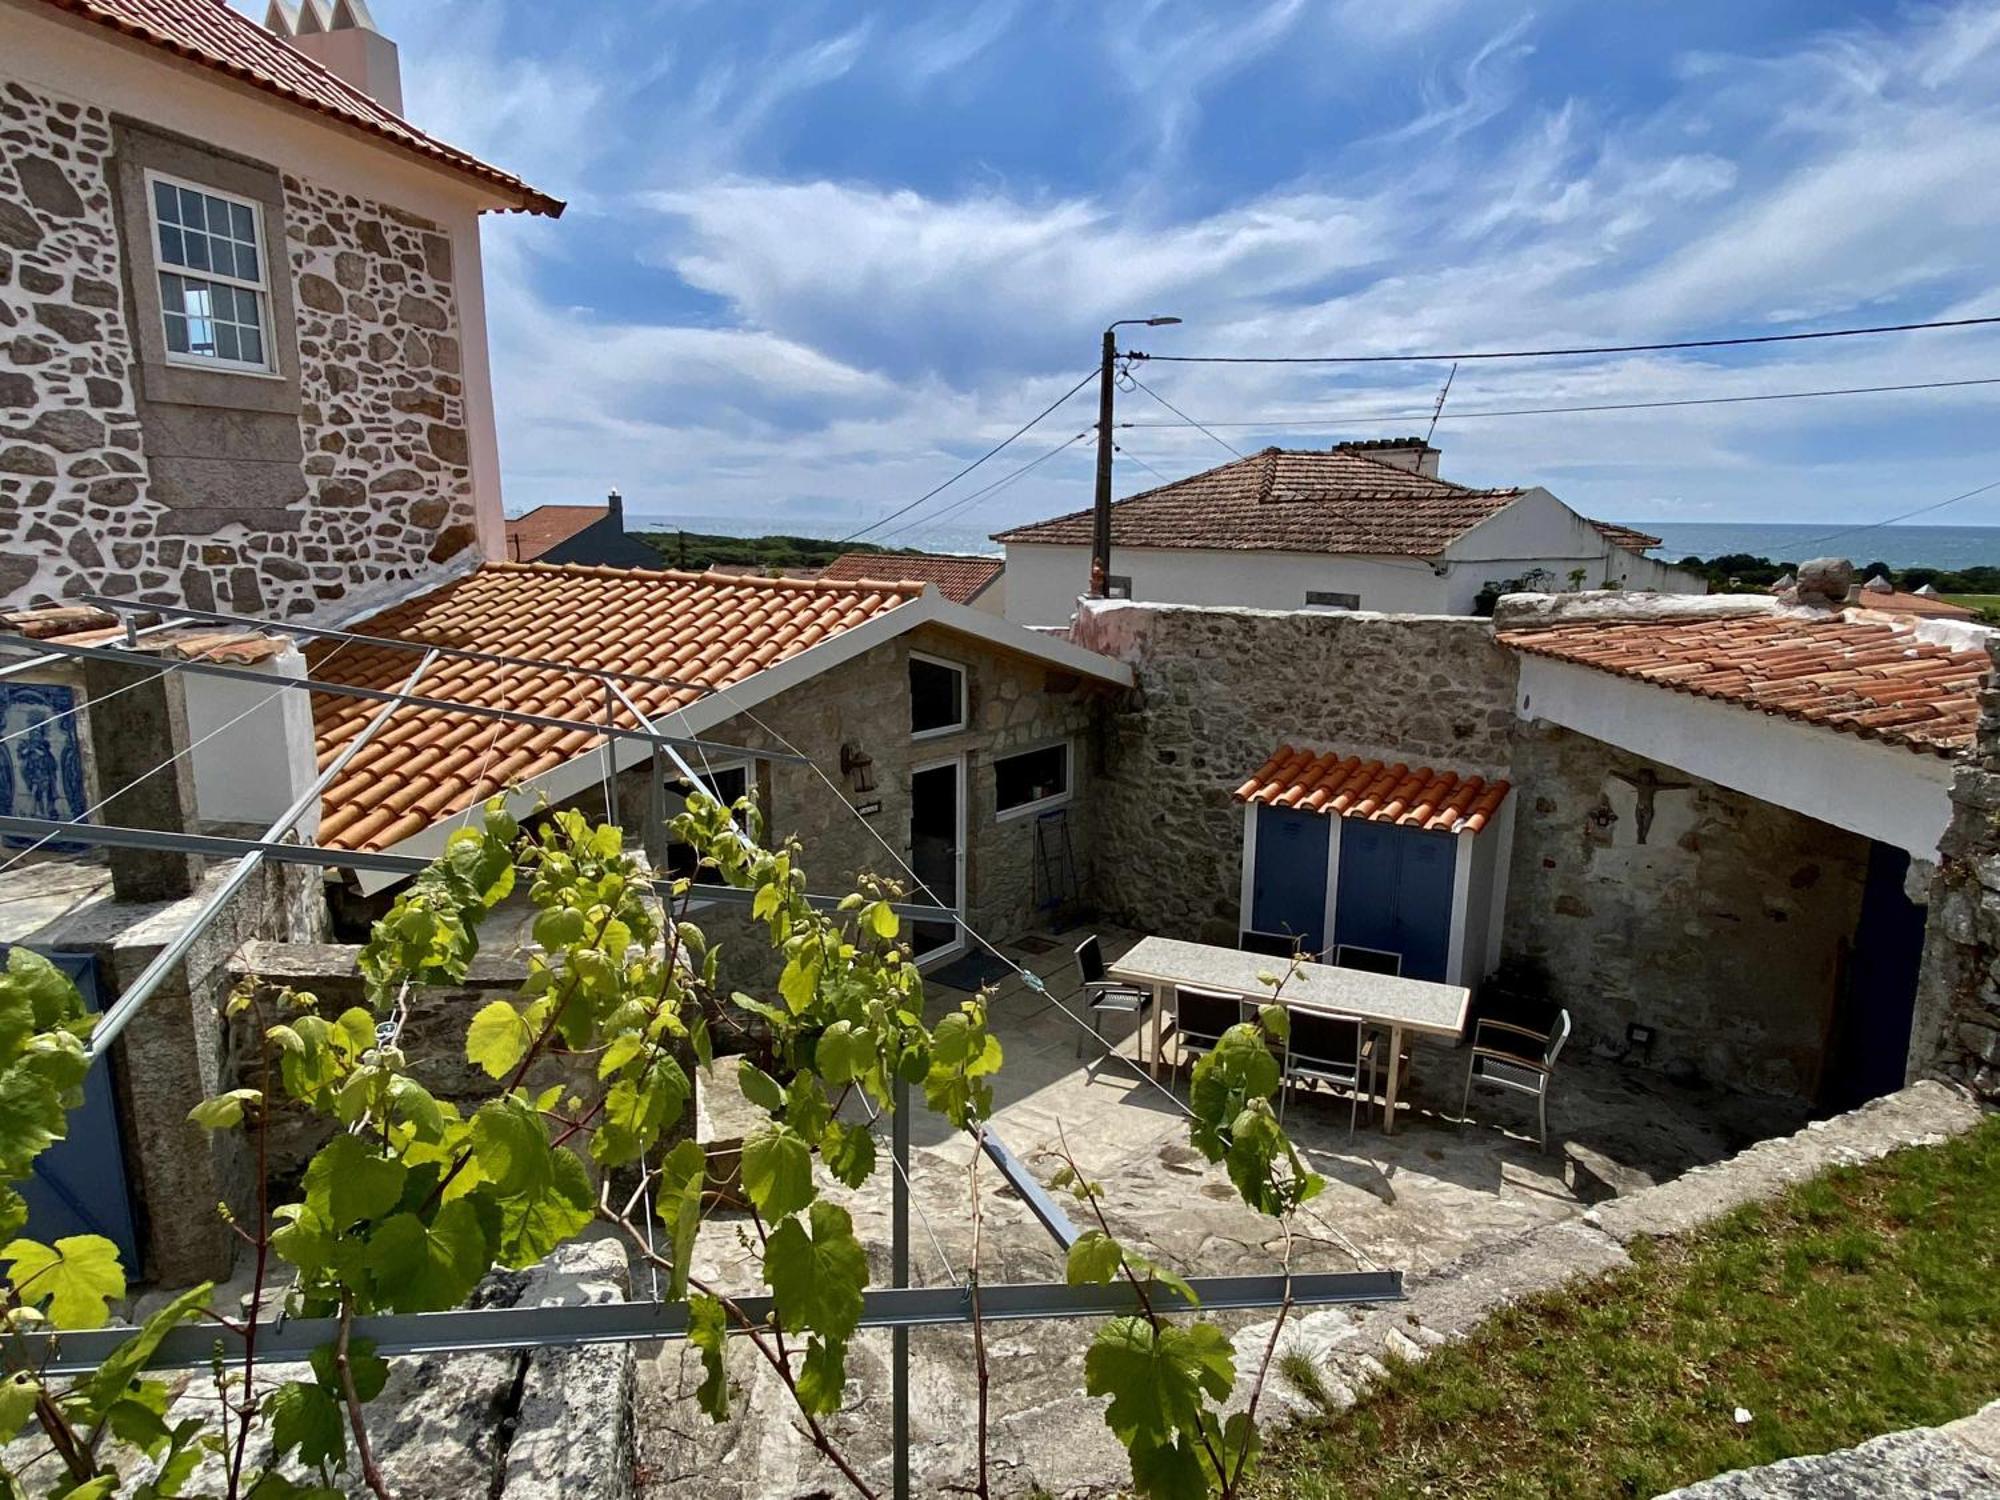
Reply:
x=937, y=853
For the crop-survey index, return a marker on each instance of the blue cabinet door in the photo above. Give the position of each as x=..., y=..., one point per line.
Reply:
x=1395, y=895
x=78, y=1184
x=1288, y=878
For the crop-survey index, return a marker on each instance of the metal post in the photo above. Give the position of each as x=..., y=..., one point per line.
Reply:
x=1100, y=518
x=610, y=754
x=899, y=1276
x=141, y=989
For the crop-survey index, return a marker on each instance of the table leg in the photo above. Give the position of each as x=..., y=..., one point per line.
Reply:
x=1159, y=1004
x=1395, y=1078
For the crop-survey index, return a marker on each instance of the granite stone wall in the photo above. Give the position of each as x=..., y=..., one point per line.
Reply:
x=1220, y=689
x=1720, y=923
x=118, y=475
x=1956, y=1032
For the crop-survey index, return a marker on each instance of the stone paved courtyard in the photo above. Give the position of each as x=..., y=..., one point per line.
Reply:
x=1411, y=1201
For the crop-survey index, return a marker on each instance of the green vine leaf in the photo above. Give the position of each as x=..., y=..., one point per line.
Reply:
x=759, y=1087
x=419, y=1267
x=225, y=1111
x=306, y=1419
x=777, y=1172
x=347, y=1182
x=817, y=1279
x=498, y=1039
x=708, y=1331
x=74, y=1279
x=1094, y=1259
x=1156, y=1377
x=683, y=1176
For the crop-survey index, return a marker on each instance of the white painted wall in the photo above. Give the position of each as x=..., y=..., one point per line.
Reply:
x=1536, y=531
x=1886, y=792
x=254, y=745
x=83, y=61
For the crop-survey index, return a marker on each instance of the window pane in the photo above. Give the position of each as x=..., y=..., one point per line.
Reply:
x=246, y=263
x=253, y=346
x=225, y=341
x=172, y=251
x=937, y=696
x=1033, y=777
x=177, y=333
x=197, y=298
x=201, y=337
x=170, y=292
x=250, y=310
x=242, y=223
x=167, y=202
x=191, y=214
x=196, y=257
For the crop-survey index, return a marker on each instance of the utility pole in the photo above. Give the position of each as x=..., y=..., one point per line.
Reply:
x=1100, y=521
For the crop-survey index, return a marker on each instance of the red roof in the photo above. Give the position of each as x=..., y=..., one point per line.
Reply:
x=208, y=32
x=959, y=579
x=1418, y=797
x=429, y=763
x=1865, y=677
x=529, y=536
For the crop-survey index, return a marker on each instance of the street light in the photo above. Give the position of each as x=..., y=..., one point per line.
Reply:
x=1100, y=526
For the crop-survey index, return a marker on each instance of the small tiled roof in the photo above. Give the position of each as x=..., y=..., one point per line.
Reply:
x=529, y=536
x=210, y=33
x=1282, y=500
x=1416, y=796
x=959, y=579
x=1625, y=536
x=86, y=625
x=1865, y=677
x=1928, y=606
x=429, y=763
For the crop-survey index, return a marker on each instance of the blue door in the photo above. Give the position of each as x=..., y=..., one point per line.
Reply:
x=1288, y=879
x=1395, y=895
x=78, y=1184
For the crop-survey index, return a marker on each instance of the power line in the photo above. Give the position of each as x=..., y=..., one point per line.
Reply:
x=1921, y=510
x=903, y=510
x=1128, y=453
x=985, y=490
x=1738, y=341
x=1547, y=411
x=1183, y=415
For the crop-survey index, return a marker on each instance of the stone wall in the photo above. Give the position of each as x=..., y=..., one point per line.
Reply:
x=125, y=474
x=1220, y=689
x=1723, y=930
x=1956, y=1031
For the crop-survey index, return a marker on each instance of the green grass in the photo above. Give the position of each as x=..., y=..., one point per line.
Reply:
x=1862, y=1302
x=1984, y=603
x=703, y=551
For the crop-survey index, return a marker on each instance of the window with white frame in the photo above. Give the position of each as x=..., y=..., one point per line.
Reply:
x=214, y=297
x=1031, y=780
x=937, y=696
x=731, y=784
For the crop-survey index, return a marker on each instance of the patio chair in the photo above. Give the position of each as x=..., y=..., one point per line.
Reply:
x=1200, y=1018
x=1273, y=944
x=1103, y=993
x=1520, y=1054
x=1332, y=1049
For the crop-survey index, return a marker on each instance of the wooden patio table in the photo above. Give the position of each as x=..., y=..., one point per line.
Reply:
x=1401, y=1005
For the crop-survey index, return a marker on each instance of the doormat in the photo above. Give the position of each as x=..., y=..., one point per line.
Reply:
x=1033, y=944
x=972, y=972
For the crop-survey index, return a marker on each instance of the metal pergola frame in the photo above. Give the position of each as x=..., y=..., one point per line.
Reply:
x=898, y=1307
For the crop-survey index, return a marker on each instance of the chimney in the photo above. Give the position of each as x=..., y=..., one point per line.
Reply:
x=340, y=36
x=615, y=503
x=1411, y=453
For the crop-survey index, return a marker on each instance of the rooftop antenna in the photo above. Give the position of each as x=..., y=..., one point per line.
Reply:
x=1438, y=410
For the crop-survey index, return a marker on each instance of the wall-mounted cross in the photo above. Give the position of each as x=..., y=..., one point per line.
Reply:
x=1646, y=783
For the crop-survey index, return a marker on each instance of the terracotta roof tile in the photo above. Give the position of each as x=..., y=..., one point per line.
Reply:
x=1627, y=537
x=1414, y=796
x=86, y=625
x=1870, y=677
x=210, y=33
x=429, y=763
x=959, y=579
x=1279, y=500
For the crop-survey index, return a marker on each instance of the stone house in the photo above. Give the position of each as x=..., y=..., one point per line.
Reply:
x=242, y=328
x=1365, y=525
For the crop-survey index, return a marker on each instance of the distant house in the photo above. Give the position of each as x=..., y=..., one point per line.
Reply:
x=1360, y=526
x=579, y=534
x=977, y=581
x=245, y=363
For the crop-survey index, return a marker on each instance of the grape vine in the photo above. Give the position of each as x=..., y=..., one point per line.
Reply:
x=413, y=1199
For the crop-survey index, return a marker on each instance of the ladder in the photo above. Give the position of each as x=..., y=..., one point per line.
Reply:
x=1055, y=863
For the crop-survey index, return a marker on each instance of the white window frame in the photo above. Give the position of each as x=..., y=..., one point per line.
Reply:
x=262, y=289
x=695, y=900
x=964, y=697
x=1028, y=809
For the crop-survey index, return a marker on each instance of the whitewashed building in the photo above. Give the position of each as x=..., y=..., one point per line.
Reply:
x=1359, y=526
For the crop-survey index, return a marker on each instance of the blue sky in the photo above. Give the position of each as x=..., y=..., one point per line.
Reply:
x=819, y=255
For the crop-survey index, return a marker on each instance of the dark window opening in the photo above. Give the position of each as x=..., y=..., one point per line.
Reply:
x=731, y=785
x=1328, y=599
x=937, y=697
x=1037, y=776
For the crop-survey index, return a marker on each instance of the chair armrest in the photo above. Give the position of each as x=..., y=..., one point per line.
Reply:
x=1539, y=1038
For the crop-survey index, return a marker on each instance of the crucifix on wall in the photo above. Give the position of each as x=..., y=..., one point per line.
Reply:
x=1646, y=784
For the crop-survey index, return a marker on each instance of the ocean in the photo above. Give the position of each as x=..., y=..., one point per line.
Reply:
x=1947, y=547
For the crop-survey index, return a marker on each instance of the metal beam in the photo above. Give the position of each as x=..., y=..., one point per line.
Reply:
x=53, y=657
x=195, y=1346
x=126, y=1006
x=214, y=846
x=395, y=643
x=1045, y=1208
x=379, y=695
